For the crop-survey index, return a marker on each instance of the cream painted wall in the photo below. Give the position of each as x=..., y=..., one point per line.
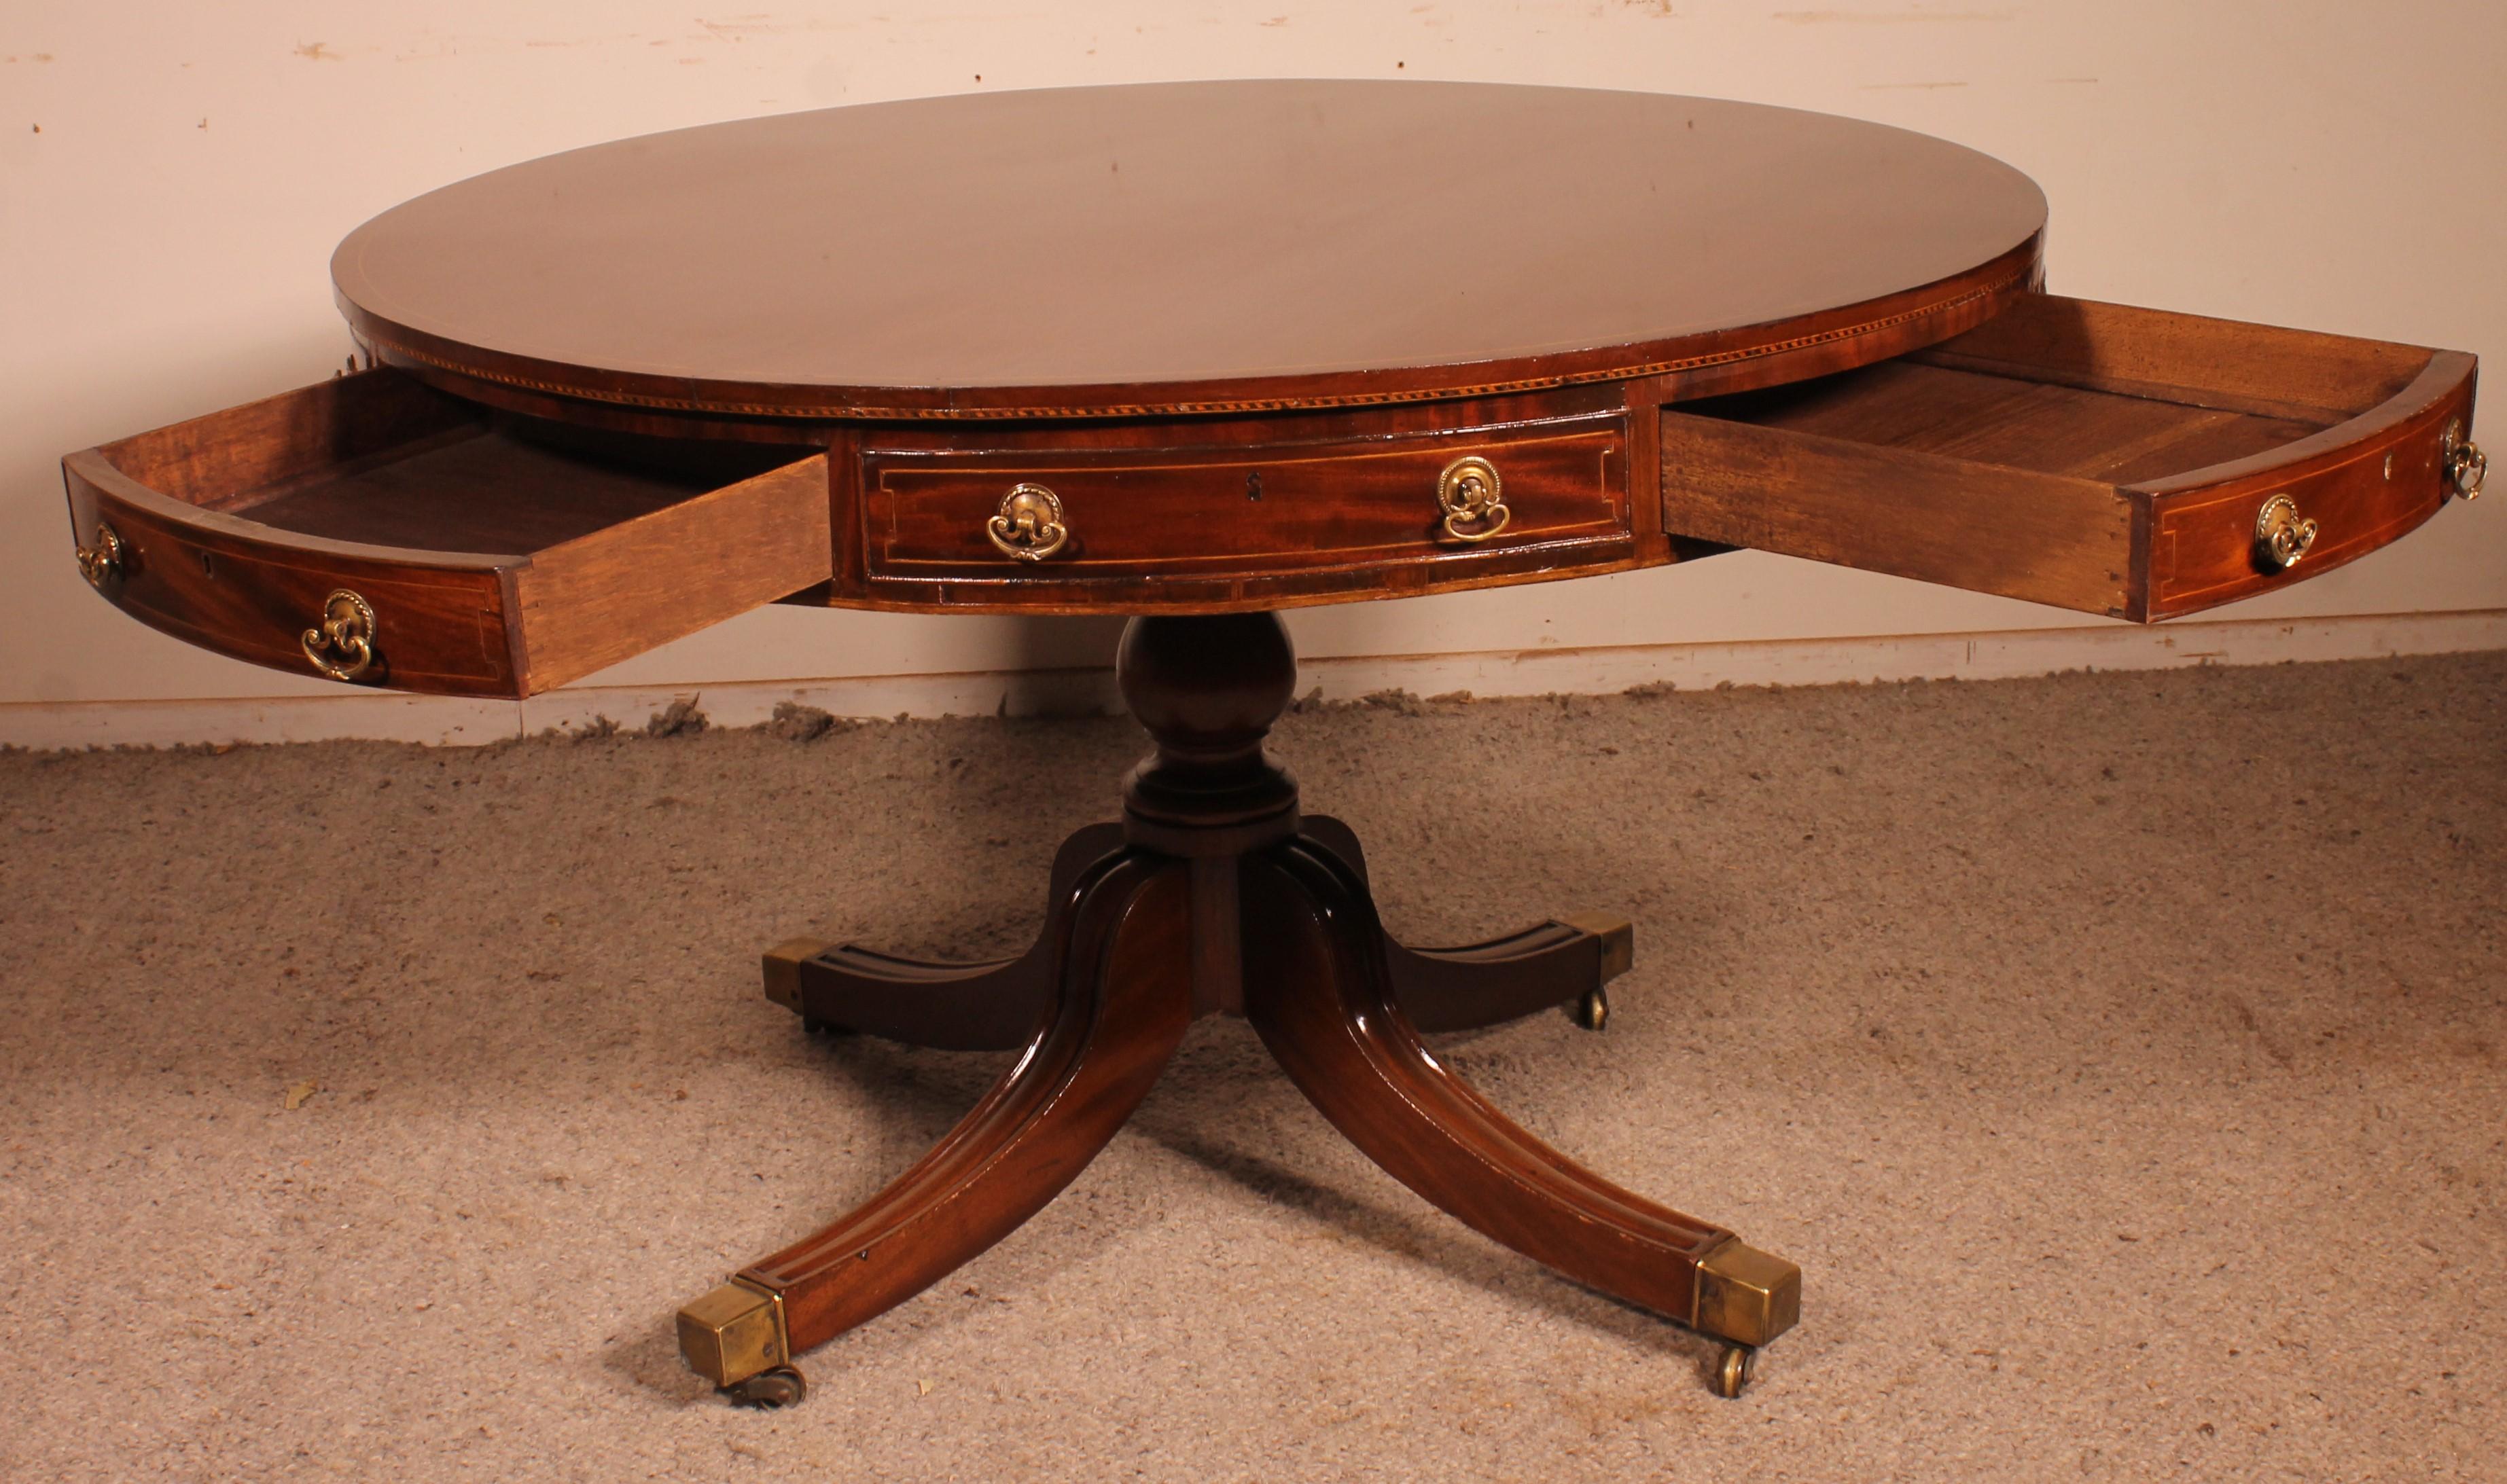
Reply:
x=173, y=176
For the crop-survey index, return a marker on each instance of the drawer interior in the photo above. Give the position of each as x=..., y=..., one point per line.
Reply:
x=2091, y=455
x=2099, y=391
x=2003, y=416
x=401, y=465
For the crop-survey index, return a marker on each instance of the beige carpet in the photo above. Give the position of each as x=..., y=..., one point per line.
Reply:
x=2122, y=1057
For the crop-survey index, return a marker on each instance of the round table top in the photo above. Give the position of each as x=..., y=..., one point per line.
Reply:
x=1176, y=247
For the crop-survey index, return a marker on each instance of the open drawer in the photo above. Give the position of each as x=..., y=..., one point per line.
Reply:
x=2089, y=455
x=373, y=529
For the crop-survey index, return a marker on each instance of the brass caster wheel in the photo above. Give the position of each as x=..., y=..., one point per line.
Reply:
x=1733, y=1370
x=1593, y=1009
x=782, y=1387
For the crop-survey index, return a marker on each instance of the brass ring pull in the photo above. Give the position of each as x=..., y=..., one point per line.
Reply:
x=2281, y=534
x=101, y=563
x=1029, y=526
x=347, y=629
x=1472, y=498
x=2466, y=466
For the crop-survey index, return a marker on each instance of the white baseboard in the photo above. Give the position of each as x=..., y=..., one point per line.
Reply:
x=1595, y=671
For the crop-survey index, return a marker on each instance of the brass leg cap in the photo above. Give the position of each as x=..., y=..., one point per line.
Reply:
x=1592, y=1008
x=1619, y=938
x=782, y=965
x=1746, y=1295
x=732, y=1333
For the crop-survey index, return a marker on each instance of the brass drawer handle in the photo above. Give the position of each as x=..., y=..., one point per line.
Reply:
x=346, y=628
x=1472, y=498
x=1029, y=525
x=2466, y=466
x=2281, y=534
x=101, y=563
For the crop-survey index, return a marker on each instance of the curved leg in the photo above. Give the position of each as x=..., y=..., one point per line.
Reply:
x=1563, y=962
x=1318, y=989
x=1123, y=1003
x=982, y=1006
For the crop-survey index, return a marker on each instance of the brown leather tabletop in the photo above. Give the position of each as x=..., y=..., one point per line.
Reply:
x=1167, y=246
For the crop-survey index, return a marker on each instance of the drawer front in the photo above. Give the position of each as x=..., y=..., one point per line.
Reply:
x=1216, y=513
x=2363, y=489
x=215, y=582
x=371, y=530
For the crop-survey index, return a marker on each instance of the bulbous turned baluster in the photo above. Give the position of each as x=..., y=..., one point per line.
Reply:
x=1208, y=687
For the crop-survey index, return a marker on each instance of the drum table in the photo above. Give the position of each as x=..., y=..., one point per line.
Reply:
x=1196, y=353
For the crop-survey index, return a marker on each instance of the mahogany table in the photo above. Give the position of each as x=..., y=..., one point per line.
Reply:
x=1196, y=353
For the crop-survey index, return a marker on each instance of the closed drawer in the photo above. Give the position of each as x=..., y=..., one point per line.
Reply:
x=1397, y=511
x=373, y=529
x=2094, y=457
